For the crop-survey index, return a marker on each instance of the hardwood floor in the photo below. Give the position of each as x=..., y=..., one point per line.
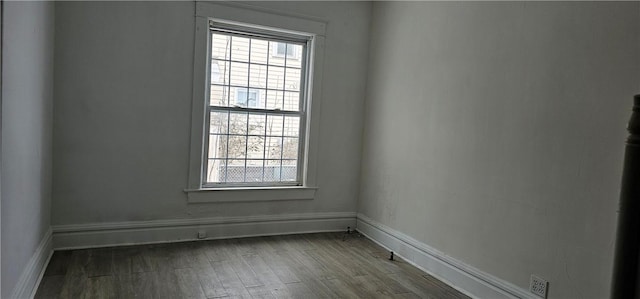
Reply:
x=326, y=265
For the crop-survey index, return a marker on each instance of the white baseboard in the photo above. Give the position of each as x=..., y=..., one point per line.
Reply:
x=176, y=230
x=465, y=278
x=30, y=278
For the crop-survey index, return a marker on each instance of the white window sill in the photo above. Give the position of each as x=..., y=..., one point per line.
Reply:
x=254, y=194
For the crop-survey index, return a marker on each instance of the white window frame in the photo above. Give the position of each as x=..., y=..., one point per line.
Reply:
x=242, y=15
x=305, y=41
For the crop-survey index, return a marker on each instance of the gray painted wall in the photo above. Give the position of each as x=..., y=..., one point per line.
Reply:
x=494, y=132
x=27, y=102
x=123, y=76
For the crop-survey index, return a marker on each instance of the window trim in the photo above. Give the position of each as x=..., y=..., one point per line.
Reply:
x=253, y=194
x=238, y=14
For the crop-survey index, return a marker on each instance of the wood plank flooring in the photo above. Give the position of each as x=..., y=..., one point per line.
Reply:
x=325, y=265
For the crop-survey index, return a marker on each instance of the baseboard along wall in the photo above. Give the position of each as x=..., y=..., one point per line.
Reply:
x=30, y=278
x=177, y=230
x=465, y=278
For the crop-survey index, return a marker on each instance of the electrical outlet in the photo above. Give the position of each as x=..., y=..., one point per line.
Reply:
x=202, y=234
x=538, y=286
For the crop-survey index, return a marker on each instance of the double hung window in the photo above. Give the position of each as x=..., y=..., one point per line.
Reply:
x=256, y=109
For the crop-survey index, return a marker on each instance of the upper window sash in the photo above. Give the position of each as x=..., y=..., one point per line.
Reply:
x=304, y=41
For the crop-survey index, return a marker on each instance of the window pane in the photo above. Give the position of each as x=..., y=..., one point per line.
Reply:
x=238, y=123
x=291, y=101
x=255, y=147
x=281, y=49
x=273, y=147
x=240, y=48
x=259, y=51
x=219, y=72
x=256, y=124
x=294, y=57
x=275, y=99
x=220, y=46
x=237, y=147
x=291, y=126
x=255, y=170
x=290, y=148
x=275, y=77
x=277, y=53
x=217, y=146
x=289, y=170
x=261, y=94
x=235, y=171
x=274, y=125
x=239, y=73
x=272, y=170
x=218, y=122
x=248, y=97
x=216, y=170
x=258, y=75
x=292, y=78
x=219, y=95
x=241, y=97
x=290, y=51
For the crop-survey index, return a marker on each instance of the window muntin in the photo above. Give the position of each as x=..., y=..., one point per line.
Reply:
x=255, y=135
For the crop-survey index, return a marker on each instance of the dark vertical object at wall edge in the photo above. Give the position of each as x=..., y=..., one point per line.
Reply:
x=625, y=283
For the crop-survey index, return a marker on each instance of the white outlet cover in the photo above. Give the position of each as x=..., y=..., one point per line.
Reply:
x=538, y=286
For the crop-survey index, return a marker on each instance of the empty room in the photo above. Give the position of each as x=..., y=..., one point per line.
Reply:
x=312, y=149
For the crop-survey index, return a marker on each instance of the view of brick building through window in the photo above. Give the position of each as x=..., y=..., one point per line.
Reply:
x=259, y=144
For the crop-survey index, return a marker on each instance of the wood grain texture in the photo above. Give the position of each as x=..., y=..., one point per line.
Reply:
x=326, y=265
